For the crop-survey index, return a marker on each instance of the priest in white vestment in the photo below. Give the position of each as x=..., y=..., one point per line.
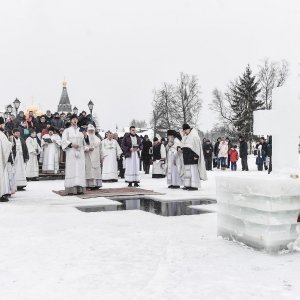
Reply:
x=34, y=149
x=159, y=159
x=74, y=145
x=5, y=149
x=193, y=159
x=21, y=156
x=174, y=160
x=51, y=144
x=111, y=152
x=132, y=146
x=92, y=159
x=10, y=176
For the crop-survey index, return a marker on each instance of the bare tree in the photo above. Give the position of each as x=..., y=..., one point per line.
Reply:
x=271, y=75
x=166, y=103
x=220, y=105
x=188, y=100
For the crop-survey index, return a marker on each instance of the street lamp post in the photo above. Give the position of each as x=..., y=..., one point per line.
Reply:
x=75, y=110
x=91, y=106
x=9, y=109
x=17, y=103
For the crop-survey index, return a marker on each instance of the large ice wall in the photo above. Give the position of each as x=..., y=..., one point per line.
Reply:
x=258, y=210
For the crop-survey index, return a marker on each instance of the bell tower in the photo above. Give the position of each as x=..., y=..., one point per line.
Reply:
x=64, y=102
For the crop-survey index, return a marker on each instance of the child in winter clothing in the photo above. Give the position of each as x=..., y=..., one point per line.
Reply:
x=234, y=157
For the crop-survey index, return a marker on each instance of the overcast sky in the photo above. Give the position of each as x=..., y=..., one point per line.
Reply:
x=116, y=52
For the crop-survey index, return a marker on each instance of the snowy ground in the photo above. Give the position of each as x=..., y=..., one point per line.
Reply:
x=50, y=250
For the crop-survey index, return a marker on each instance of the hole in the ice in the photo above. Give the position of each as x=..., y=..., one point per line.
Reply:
x=166, y=209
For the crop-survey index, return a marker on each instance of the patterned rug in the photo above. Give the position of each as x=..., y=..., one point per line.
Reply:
x=113, y=192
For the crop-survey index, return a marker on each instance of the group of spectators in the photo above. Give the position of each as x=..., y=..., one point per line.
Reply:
x=41, y=124
x=224, y=154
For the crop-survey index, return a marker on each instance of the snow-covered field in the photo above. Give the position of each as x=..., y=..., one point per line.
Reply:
x=50, y=250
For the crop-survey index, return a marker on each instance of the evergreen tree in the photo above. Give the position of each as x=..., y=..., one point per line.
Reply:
x=244, y=102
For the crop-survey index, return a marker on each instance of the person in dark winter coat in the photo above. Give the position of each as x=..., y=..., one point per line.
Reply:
x=41, y=124
x=229, y=147
x=21, y=156
x=264, y=146
x=83, y=119
x=57, y=122
x=146, y=155
x=208, y=154
x=244, y=153
x=131, y=146
x=48, y=116
x=269, y=155
x=216, y=152
x=11, y=124
x=259, y=157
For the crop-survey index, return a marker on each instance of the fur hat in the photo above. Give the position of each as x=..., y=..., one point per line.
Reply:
x=186, y=126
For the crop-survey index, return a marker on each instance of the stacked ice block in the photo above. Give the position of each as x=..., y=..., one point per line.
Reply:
x=260, y=211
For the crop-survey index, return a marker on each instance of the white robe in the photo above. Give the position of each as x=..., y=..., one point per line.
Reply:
x=75, y=159
x=20, y=165
x=159, y=166
x=10, y=179
x=132, y=165
x=111, y=151
x=32, y=165
x=194, y=173
x=174, y=164
x=93, y=162
x=51, y=153
x=5, y=149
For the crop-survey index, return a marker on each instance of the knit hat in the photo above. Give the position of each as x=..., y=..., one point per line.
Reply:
x=1, y=121
x=171, y=132
x=186, y=126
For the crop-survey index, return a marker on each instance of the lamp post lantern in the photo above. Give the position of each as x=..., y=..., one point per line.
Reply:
x=17, y=103
x=75, y=110
x=9, y=109
x=91, y=106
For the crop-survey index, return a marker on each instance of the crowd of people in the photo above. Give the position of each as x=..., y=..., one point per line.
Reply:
x=26, y=142
x=53, y=140
x=224, y=154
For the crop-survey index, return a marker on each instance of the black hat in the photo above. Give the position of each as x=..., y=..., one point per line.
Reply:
x=155, y=139
x=74, y=116
x=171, y=132
x=178, y=135
x=186, y=126
x=1, y=121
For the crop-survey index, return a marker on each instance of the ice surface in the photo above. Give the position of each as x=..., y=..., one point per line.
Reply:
x=50, y=250
x=259, y=210
x=262, y=210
